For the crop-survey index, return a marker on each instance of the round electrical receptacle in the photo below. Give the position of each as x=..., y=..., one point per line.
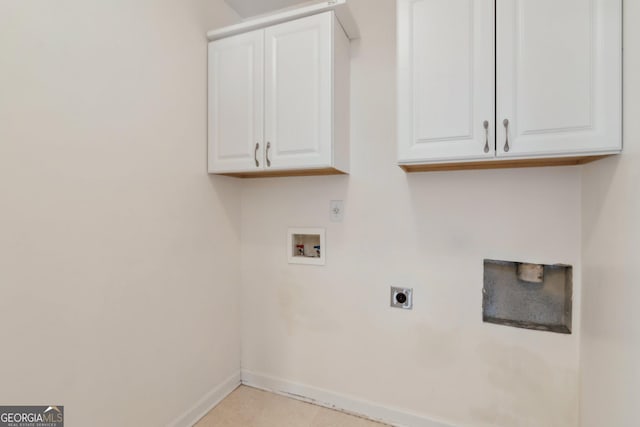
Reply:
x=401, y=297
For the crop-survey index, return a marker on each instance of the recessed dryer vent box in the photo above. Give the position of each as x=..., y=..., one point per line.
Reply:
x=525, y=295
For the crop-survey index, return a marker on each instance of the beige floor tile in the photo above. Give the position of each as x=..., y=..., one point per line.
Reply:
x=283, y=412
x=243, y=407
x=331, y=418
x=249, y=407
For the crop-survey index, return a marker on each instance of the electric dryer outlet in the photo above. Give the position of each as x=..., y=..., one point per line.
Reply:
x=402, y=298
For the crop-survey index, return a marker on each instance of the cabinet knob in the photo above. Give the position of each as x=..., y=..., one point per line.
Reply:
x=505, y=122
x=255, y=154
x=486, y=136
x=268, y=148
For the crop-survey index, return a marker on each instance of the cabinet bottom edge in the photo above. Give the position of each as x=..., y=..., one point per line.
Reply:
x=503, y=164
x=283, y=173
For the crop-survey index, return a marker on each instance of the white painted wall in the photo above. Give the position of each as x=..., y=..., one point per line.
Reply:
x=118, y=254
x=611, y=246
x=249, y=8
x=331, y=327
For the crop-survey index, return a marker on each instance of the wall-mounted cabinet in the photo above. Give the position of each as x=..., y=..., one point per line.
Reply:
x=279, y=99
x=484, y=84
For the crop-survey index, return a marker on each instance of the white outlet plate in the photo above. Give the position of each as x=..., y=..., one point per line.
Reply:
x=336, y=210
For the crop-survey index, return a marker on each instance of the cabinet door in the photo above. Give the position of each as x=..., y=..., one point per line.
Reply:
x=445, y=80
x=236, y=103
x=558, y=77
x=298, y=93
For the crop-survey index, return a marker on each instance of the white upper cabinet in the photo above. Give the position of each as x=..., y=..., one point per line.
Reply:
x=559, y=77
x=279, y=99
x=445, y=79
x=553, y=98
x=298, y=126
x=236, y=103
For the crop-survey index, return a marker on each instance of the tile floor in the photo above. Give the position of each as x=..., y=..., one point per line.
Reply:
x=249, y=407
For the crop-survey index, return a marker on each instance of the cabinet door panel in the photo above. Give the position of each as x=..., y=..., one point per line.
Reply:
x=236, y=102
x=558, y=76
x=298, y=92
x=445, y=79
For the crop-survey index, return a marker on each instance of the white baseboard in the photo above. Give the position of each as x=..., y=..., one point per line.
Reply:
x=208, y=402
x=340, y=402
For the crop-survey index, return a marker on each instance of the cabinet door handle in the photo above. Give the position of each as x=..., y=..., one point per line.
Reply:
x=255, y=154
x=268, y=148
x=486, y=136
x=505, y=122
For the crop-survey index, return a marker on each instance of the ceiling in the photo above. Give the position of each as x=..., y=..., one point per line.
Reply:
x=247, y=8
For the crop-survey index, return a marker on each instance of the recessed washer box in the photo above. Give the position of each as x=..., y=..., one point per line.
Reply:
x=528, y=295
x=306, y=246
